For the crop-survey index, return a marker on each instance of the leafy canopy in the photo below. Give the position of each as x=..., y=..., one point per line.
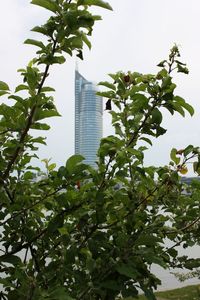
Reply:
x=83, y=233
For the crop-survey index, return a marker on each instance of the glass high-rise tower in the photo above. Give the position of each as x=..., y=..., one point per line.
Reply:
x=88, y=119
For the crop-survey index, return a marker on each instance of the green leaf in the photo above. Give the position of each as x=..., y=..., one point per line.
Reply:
x=162, y=73
x=184, y=104
x=40, y=126
x=109, y=94
x=39, y=29
x=86, y=40
x=111, y=285
x=73, y=161
x=7, y=111
x=160, y=131
x=182, y=69
x=146, y=140
x=107, y=84
x=6, y=282
x=177, y=107
x=140, y=100
x=63, y=231
x=51, y=167
x=46, y=114
x=34, y=43
x=180, y=63
x=11, y=259
x=99, y=3
x=21, y=87
x=173, y=156
x=129, y=292
x=80, y=54
x=47, y=89
x=172, y=252
x=97, y=17
x=166, y=82
x=138, y=154
x=192, y=263
x=55, y=223
x=57, y=60
x=148, y=240
x=188, y=150
x=21, y=70
x=196, y=168
x=48, y=4
x=29, y=175
x=39, y=140
x=149, y=294
x=76, y=42
x=162, y=63
x=3, y=93
x=4, y=86
x=118, y=129
x=17, y=98
x=126, y=270
x=189, y=108
x=156, y=116
x=20, y=102
x=60, y=293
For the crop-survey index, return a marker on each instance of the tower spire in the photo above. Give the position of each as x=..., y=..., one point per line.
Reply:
x=76, y=67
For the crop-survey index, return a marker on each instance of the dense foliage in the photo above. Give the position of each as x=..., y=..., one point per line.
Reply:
x=79, y=232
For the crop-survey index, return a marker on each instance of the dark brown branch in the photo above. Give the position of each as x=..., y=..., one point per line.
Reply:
x=3, y=296
x=104, y=175
x=136, y=133
x=41, y=233
x=174, y=246
x=184, y=228
x=27, y=244
x=31, y=206
x=131, y=211
x=28, y=125
x=8, y=192
x=25, y=257
x=191, y=224
x=37, y=266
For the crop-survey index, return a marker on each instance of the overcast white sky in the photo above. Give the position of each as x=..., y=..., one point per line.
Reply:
x=135, y=36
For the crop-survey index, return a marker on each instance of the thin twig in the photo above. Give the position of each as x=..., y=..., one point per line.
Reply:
x=29, y=207
x=184, y=228
x=25, y=257
x=174, y=246
x=136, y=133
x=42, y=232
x=8, y=193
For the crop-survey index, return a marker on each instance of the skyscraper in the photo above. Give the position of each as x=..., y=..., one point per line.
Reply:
x=88, y=119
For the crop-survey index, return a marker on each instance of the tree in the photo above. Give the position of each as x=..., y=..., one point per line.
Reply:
x=79, y=232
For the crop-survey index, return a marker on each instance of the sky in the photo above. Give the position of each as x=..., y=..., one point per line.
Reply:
x=135, y=36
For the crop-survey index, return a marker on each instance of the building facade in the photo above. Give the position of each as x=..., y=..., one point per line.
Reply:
x=88, y=119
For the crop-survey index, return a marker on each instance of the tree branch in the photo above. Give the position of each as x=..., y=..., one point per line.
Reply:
x=31, y=206
x=42, y=232
x=29, y=123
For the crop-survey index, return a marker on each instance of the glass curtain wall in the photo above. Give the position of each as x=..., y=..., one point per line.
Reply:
x=88, y=119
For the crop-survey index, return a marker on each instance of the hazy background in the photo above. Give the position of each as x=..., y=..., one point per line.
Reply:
x=135, y=36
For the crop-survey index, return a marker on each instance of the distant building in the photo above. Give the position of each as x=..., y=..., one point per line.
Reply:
x=188, y=180
x=88, y=119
